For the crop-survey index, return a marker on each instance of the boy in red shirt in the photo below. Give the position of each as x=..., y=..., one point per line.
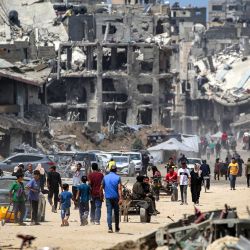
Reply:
x=171, y=176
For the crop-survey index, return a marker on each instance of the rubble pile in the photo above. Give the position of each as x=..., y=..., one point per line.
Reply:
x=218, y=229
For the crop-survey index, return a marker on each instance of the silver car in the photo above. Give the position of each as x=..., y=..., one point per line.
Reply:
x=124, y=165
x=26, y=158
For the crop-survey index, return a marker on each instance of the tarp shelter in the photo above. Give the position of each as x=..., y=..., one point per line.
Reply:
x=162, y=151
x=192, y=141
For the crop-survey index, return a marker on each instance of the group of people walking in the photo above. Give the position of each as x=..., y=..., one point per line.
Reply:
x=88, y=192
x=18, y=197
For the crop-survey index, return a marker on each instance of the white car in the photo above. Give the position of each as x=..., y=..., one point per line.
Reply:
x=124, y=165
x=192, y=161
x=136, y=158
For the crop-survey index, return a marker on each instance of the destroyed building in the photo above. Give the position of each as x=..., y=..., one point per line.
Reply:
x=132, y=62
x=117, y=65
x=27, y=51
x=229, y=11
x=214, y=77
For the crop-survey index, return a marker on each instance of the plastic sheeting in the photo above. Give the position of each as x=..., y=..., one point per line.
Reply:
x=192, y=141
x=171, y=145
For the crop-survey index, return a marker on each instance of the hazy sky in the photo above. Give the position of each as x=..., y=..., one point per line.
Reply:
x=193, y=2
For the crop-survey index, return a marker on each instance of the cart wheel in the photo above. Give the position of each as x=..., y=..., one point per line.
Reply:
x=144, y=216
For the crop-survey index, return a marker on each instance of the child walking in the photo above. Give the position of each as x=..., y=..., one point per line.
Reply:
x=83, y=191
x=65, y=198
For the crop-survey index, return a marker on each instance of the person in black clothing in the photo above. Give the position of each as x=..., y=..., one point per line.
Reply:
x=218, y=149
x=145, y=162
x=18, y=170
x=149, y=193
x=138, y=193
x=240, y=163
x=205, y=169
x=196, y=182
x=53, y=183
x=183, y=158
x=224, y=169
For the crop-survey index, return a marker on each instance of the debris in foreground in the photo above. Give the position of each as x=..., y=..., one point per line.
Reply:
x=218, y=229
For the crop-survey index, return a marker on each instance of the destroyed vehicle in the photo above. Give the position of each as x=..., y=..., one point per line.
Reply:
x=12, y=161
x=200, y=230
x=64, y=161
x=86, y=159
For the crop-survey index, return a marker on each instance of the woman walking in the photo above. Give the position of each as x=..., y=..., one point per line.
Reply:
x=196, y=181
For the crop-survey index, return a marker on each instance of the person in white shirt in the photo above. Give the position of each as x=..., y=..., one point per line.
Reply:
x=76, y=182
x=183, y=181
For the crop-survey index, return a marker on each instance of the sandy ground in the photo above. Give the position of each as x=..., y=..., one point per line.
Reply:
x=96, y=236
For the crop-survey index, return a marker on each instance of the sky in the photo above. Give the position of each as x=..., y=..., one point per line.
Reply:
x=202, y=3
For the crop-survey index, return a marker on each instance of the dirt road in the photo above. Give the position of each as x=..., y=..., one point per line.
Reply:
x=96, y=237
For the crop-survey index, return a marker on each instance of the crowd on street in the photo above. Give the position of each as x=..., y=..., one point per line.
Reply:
x=89, y=192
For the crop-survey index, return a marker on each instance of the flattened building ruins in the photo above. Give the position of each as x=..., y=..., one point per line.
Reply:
x=134, y=62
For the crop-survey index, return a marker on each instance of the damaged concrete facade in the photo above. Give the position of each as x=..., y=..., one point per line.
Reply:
x=214, y=78
x=118, y=69
x=27, y=52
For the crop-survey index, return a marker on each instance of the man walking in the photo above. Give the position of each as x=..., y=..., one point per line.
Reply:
x=76, y=182
x=248, y=172
x=95, y=181
x=205, y=168
x=53, y=183
x=233, y=170
x=113, y=193
x=145, y=162
x=84, y=194
x=34, y=189
x=218, y=149
x=183, y=181
x=217, y=169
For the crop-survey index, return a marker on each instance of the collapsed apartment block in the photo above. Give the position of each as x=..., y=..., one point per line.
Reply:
x=230, y=11
x=27, y=51
x=117, y=64
x=214, y=78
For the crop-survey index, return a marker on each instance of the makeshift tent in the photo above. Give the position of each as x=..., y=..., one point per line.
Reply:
x=192, y=141
x=160, y=152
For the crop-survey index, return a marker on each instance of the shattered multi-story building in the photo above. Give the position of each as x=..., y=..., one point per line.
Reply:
x=230, y=11
x=117, y=64
x=26, y=51
x=134, y=62
x=214, y=75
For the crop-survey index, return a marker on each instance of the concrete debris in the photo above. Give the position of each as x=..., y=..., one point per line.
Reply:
x=198, y=231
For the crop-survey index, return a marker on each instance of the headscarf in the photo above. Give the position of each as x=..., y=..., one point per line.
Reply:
x=40, y=169
x=198, y=168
